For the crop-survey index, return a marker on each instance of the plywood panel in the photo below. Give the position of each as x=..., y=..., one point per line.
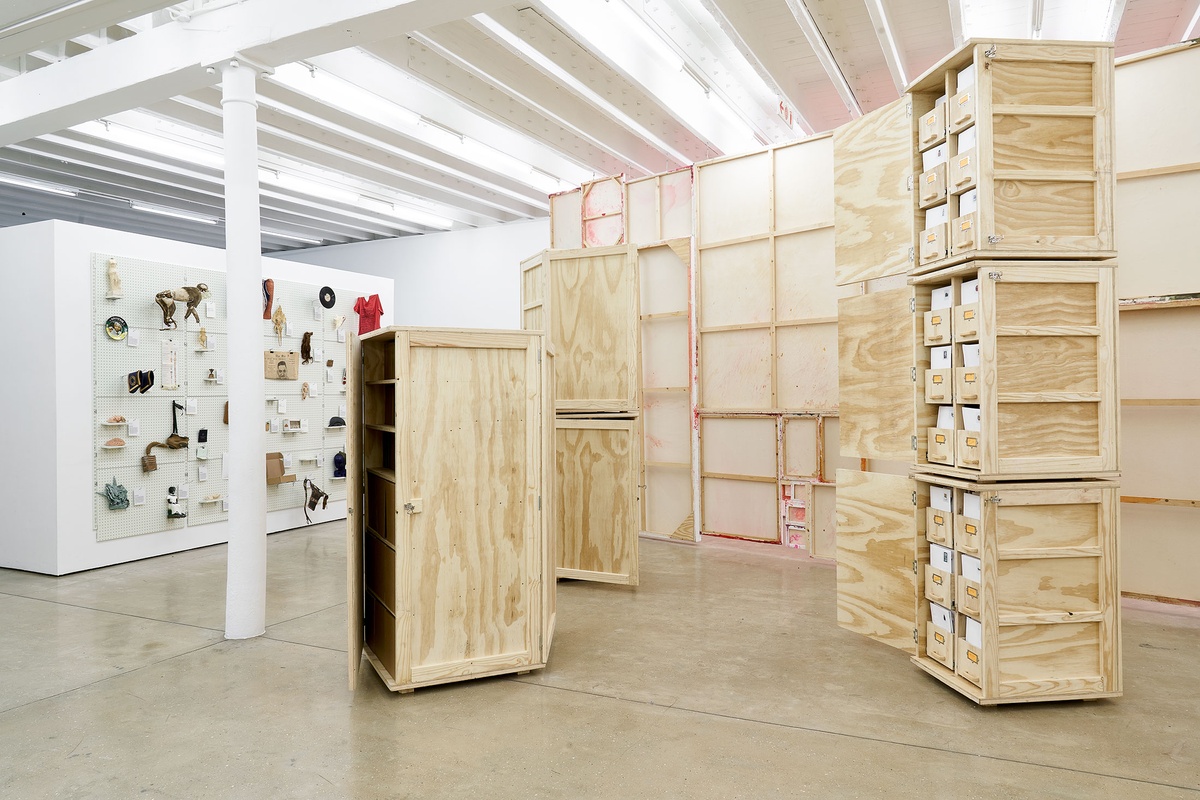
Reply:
x=807, y=367
x=745, y=509
x=1160, y=452
x=743, y=446
x=467, y=434
x=804, y=282
x=596, y=499
x=1159, y=551
x=355, y=594
x=800, y=447
x=875, y=375
x=1157, y=348
x=736, y=284
x=1049, y=652
x=804, y=184
x=734, y=198
x=666, y=417
x=876, y=547
x=872, y=205
x=668, y=503
x=735, y=370
x=593, y=324
x=566, y=220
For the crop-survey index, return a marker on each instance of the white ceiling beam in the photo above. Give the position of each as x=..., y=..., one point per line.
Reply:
x=529, y=93
x=1116, y=10
x=956, y=22
x=66, y=20
x=816, y=40
x=886, y=34
x=175, y=59
x=396, y=86
x=1187, y=26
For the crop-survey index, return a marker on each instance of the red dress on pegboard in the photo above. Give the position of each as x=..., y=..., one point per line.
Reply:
x=369, y=311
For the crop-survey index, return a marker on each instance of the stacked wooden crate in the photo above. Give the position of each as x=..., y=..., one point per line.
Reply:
x=587, y=302
x=1002, y=543
x=449, y=558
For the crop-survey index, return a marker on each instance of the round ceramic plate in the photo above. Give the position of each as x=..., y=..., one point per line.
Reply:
x=116, y=328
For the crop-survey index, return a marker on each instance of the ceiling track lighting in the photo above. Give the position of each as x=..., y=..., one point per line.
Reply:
x=173, y=212
x=41, y=186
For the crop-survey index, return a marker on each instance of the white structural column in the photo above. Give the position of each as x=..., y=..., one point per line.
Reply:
x=246, y=582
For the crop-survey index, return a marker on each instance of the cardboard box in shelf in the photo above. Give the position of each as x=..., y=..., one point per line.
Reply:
x=932, y=125
x=933, y=243
x=932, y=186
x=962, y=234
x=276, y=472
x=937, y=386
x=939, y=328
x=966, y=534
x=939, y=526
x=969, y=587
x=966, y=450
x=968, y=662
x=940, y=442
x=963, y=173
x=939, y=635
x=961, y=112
x=966, y=384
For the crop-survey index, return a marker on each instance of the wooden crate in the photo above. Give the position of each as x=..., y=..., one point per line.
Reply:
x=450, y=565
x=1041, y=161
x=597, y=498
x=1047, y=602
x=1044, y=384
x=587, y=302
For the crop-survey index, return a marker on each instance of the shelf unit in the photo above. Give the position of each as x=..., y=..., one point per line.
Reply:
x=449, y=465
x=994, y=560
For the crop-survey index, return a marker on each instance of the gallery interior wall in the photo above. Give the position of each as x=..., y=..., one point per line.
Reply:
x=456, y=279
x=52, y=529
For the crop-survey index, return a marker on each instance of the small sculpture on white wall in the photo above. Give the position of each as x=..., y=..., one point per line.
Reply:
x=114, y=280
x=192, y=295
x=203, y=339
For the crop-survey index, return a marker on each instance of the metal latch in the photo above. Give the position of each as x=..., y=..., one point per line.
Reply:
x=994, y=238
x=995, y=276
x=413, y=506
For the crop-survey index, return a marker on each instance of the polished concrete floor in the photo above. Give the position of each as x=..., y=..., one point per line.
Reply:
x=723, y=676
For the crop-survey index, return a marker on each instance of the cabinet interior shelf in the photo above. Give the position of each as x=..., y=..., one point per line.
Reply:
x=384, y=428
x=384, y=382
x=383, y=472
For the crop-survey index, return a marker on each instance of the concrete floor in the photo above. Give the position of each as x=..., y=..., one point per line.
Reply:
x=723, y=676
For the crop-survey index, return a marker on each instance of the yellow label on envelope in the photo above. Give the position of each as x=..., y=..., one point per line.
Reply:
x=940, y=438
x=939, y=638
x=938, y=519
x=969, y=313
x=970, y=528
x=937, y=379
x=973, y=657
x=965, y=225
x=965, y=161
x=937, y=579
x=969, y=377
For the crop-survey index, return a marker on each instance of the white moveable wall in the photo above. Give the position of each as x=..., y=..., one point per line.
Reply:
x=47, y=467
x=457, y=279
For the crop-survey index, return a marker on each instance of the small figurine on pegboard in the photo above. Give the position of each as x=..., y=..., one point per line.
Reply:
x=192, y=295
x=173, y=511
x=114, y=281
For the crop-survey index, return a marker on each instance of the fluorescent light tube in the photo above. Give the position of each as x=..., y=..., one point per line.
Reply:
x=41, y=186
x=173, y=212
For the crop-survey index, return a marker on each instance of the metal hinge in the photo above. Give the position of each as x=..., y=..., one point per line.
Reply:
x=539, y=356
x=915, y=639
x=539, y=502
x=914, y=374
x=993, y=238
x=912, y=305
x=914, y=442
x=914, y=566
x=908, y=109
x=910, y=183
x=990, y=52
x=914, y=498
x=995, y=276
x=912, y=254
x=993, y=499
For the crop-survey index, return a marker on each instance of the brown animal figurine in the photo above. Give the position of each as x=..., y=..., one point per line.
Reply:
x=306, y=347
x=192, y=295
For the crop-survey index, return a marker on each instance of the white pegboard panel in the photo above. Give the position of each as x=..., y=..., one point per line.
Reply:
x=336, y=488
x=152, y=410
x=343, y=306
x=200, y=363
x=150, y=517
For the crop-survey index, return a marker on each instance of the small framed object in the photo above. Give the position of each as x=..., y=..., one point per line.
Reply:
x=116, y=328
x=281, y=365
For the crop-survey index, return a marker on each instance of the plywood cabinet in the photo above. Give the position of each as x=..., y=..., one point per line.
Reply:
x=1028, y=129
x=993, y=561
x=449, y=455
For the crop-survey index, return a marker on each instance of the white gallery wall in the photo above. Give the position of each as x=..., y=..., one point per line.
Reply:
x=47, y=472
x=457, y=279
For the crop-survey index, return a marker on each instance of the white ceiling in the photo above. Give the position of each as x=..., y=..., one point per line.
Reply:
x=381, y=119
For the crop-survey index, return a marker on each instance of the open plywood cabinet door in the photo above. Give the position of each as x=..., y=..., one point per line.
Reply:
x=354, y=517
